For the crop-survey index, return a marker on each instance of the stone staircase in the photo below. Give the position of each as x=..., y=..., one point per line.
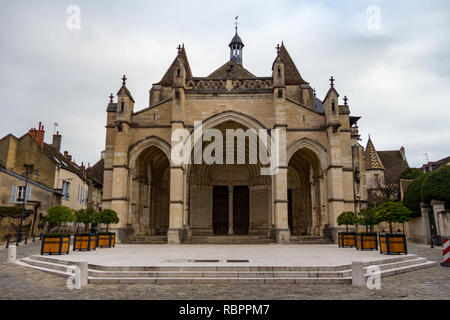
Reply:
x=225, y=239
x=222, y=274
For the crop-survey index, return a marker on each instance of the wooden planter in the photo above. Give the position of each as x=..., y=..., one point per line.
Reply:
x=367, y=241
x=55, y=244
x=106, y=240
x=84, y=241
x=393, y=243
x=346, y=239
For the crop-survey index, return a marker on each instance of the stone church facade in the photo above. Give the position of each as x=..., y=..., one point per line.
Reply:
x=321, y=171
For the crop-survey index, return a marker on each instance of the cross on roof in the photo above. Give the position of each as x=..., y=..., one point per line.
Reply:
x=345, y=100
x=236, y=22
x=332, y=81
x=124, y=80
x=179, y=48
x=111, y=97
x=278, y=47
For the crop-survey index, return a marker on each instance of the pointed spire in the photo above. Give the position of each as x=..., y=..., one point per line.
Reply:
x=371, y=158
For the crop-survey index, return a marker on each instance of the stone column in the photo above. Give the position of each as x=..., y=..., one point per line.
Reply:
x=176, y=208
x=438, y=207
x=230, y=210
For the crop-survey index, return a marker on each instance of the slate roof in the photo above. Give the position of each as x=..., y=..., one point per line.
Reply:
x=291, y=74
x=167, y=79
x=239, y=72
x=393, y=163
x=436, y=164
x=58, y=158
x=96, y=171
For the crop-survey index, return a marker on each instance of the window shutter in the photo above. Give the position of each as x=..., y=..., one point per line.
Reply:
x=28, y=193
x=13, y=194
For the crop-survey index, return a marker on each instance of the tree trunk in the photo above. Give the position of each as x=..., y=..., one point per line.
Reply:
x=346, y=228
x=107, y=227
x=367, y=228
x=390, y=226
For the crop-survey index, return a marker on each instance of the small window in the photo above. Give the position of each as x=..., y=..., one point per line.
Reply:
x=122, y=106
x=178, y=72
x=65, y=190
x=333, y=108
x=279, y=72
x=280, y=93
x=20, y=194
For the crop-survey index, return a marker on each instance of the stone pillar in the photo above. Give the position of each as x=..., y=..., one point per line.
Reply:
x=12, y=249
x=425, y=209
x=282, y=232
x=176, y=209
x=358, y=275
x=230, y=210
x=438, y=208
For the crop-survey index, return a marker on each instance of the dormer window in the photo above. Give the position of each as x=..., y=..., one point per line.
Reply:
x=333, y=108
x=178, y=72
x=279, y=72
x=122, y=106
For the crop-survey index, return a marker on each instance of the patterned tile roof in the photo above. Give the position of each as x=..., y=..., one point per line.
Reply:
x=372, y=161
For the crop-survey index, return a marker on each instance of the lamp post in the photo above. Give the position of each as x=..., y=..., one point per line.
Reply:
x=28, y=170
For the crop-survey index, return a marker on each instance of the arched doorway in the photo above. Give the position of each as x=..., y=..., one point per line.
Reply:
x=150, y=192
x=229, y=199
x=304, y=193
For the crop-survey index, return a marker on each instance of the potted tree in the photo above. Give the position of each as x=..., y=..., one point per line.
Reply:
x=390, y=212
x=57, y=242
x=107, y=239
x=85, y=240
x=367, y=240
x=346, y=239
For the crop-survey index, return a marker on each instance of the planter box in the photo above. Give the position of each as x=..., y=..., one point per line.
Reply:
x=367, y=241
x=393, y=243
x=55, y=244
x=84, y=241
x=106, y=240
x=346, y=239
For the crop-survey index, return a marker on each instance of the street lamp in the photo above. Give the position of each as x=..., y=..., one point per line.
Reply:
x=28, y=170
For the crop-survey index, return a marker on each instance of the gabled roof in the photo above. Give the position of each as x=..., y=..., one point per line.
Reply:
x=238, y=72
x=124, y=91
x=393, y=163
x=58, y=158
x=291, y=74
x=332, y=89
x=167, y=79
x=96, y=171
x=371, y=159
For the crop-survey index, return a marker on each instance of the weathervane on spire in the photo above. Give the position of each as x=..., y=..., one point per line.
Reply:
x=236, y=22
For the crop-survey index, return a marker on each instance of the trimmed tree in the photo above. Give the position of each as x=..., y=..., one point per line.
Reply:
x=411, y=173
x=393, y=212
x=346, y=218
x=108, y=216
x=414, y=195
x=368, y=217
x=59, y=214
x=436, y=185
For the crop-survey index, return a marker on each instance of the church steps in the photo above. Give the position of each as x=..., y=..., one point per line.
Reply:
x=203, y=274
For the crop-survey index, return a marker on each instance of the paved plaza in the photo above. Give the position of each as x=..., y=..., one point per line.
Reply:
x=18, y=282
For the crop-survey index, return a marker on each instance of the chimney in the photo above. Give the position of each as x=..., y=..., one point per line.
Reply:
x=102, y=155
x=66, y=154
x=402, y=152
x=56, y=142
x=38, y=135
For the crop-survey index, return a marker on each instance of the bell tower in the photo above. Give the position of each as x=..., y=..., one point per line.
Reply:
x=236, y=46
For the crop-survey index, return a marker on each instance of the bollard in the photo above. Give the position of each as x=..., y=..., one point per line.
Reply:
x=11, y=254
x=7, y=243
x=446, y=252
x=26, y=240
x=83, y=266
x=33, y=238
x=358, y=275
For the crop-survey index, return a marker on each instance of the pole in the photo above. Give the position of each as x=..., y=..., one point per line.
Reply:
x=19, y=234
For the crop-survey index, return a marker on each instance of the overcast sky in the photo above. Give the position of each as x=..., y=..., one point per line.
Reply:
x=395, y=69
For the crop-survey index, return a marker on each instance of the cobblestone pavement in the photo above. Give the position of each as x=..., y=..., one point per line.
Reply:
x=18, y=282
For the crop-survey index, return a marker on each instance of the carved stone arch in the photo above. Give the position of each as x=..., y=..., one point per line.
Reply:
x=314, y=146
x=152, y=141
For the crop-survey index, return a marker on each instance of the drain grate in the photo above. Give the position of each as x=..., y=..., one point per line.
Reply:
x=237, y=260
x=206, y=260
